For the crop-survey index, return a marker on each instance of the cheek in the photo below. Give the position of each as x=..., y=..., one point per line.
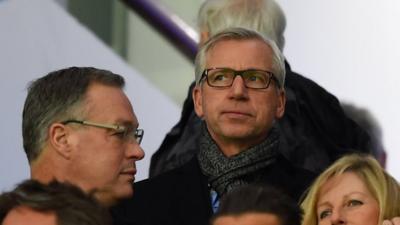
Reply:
x=365, y=216
x=372, y=214
x=210, y=107
x=106, y=169
x=101, y=155
x=112, y=156
x=266, y=109
x=323, y=222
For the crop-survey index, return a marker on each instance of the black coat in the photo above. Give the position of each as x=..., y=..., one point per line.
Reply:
x=314, y=130
x=182, y=196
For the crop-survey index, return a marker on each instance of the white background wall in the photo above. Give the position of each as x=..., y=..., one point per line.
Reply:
x=352, y=49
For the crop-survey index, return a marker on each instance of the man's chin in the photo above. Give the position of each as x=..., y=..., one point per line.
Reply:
x=237, y=132
x=110, y=196
x=124, y=192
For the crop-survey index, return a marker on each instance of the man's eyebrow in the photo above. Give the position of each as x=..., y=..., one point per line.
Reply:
x=128, y=124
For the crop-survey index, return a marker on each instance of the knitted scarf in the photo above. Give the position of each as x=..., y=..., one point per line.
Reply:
x=225, y=174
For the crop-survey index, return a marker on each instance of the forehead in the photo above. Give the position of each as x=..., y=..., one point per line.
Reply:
x=108, y=104
x=343, y=184
x=240, y=54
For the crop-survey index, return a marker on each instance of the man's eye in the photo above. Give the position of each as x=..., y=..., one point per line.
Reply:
x=354, y=202
x=219, y=77
x=120, y=134
x=324, y=214
x=256, y=77
x=253, y=78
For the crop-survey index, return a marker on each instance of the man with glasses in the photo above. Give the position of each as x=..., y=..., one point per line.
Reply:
x=239, y=94
x=79, y=126
x=314, y=129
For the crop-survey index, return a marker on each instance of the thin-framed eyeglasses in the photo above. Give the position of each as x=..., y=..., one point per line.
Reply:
x=224, y=77
x=125, y=132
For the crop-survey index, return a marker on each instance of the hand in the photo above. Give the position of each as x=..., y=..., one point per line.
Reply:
x=393, y=221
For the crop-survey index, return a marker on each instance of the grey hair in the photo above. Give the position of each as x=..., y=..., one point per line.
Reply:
x=278, y=62
x=57, y=97
x=264, y=16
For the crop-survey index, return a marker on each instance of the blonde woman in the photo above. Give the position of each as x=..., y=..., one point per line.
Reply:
x=354, y=190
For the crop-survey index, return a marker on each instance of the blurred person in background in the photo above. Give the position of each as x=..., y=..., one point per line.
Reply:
x=368, y=122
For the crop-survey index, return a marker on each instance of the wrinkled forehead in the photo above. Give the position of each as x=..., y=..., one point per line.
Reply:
x=240, y=54
x=211, y=45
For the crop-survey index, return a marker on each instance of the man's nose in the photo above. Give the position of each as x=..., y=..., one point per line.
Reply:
x=238, y=89
x=135, y=151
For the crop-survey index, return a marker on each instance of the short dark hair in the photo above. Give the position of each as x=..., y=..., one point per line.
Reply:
x=69, y=203
x=55, y=97
x=260, y=199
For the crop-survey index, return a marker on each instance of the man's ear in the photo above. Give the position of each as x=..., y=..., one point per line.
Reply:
x=59, y=135
x=198, y=101
x=280, y=109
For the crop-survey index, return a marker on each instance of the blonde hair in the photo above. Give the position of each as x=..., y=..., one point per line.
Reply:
x=383, y=187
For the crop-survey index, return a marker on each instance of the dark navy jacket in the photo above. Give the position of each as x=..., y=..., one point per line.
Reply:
x=182, y=196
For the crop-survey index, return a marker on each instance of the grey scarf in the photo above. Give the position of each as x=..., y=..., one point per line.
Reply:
x=225, y=174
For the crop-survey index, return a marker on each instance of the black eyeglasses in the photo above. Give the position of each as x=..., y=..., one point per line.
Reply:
x=224, y=77
x=125, y=133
